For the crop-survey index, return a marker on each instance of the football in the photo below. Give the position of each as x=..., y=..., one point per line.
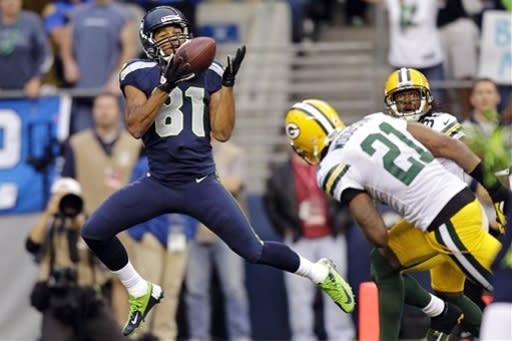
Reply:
x=198, y=53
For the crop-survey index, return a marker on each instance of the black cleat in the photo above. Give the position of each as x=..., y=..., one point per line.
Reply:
x=442, y=326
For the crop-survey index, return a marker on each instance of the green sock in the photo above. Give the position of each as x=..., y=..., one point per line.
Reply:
x=415, y=294
x=472, y=312
x=391, y=296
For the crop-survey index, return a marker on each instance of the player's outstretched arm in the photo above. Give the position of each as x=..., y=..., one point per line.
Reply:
x=441, y=145
x=222, y=103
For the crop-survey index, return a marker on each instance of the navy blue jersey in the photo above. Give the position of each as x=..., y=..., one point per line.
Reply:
x=502, y=266
x=178, y=142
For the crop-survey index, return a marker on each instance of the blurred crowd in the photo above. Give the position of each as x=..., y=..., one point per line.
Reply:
x=81, y=45
x=442, y=40
x=39, y=53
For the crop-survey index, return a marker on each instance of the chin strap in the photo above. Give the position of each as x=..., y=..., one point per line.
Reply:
x=163, y=61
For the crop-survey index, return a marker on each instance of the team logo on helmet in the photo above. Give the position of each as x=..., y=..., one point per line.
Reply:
x=292, y=130
x=309, y=126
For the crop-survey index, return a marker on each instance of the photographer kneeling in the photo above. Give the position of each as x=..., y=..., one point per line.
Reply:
x=68, y=292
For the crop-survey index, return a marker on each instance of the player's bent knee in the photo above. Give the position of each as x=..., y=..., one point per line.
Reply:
x=91, y=236
x=96, y=230
x=92, y=231
x=87, y=232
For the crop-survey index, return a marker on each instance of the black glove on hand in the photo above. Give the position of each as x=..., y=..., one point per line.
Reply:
x=496, y=190
x=228, y=78
x=499, y=194
x=173, y=73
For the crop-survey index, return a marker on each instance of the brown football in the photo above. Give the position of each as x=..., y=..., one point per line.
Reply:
x=198, y=52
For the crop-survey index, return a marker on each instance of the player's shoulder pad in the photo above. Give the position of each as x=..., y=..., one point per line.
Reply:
x=377, y=114
x=382, y=116
x=217, y=68
x=374, y=115
x=444, y=123
x=445, y=116
x=330, y=173
x=133, y=66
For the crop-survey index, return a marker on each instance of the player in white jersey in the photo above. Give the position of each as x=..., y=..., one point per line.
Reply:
x=407, y=96
x=393, y=161
x=398, y=159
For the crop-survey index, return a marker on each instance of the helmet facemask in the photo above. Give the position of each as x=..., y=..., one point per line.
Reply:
x=312, y=156
x=302, y=154
x=162, y=49
x=173, y=42
x=407, y=94
x=410, y=103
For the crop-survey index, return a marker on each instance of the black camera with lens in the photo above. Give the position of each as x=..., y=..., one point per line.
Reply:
x=64, y=300
x=70, y=205
x=68, y=301
x=61, y=279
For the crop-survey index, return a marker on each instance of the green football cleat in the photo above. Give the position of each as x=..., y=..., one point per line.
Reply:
x=337, y=288
x=140, y=307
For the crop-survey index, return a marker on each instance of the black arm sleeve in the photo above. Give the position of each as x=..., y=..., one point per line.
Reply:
x=349, y=194
x=496, y=190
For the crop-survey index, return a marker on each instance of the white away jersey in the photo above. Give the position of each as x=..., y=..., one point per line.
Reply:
x=444, y=123
x=449, y=125
x=378, y=155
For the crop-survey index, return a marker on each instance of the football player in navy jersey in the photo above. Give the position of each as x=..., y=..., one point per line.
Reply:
x=175, y=113
x=498, y=314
